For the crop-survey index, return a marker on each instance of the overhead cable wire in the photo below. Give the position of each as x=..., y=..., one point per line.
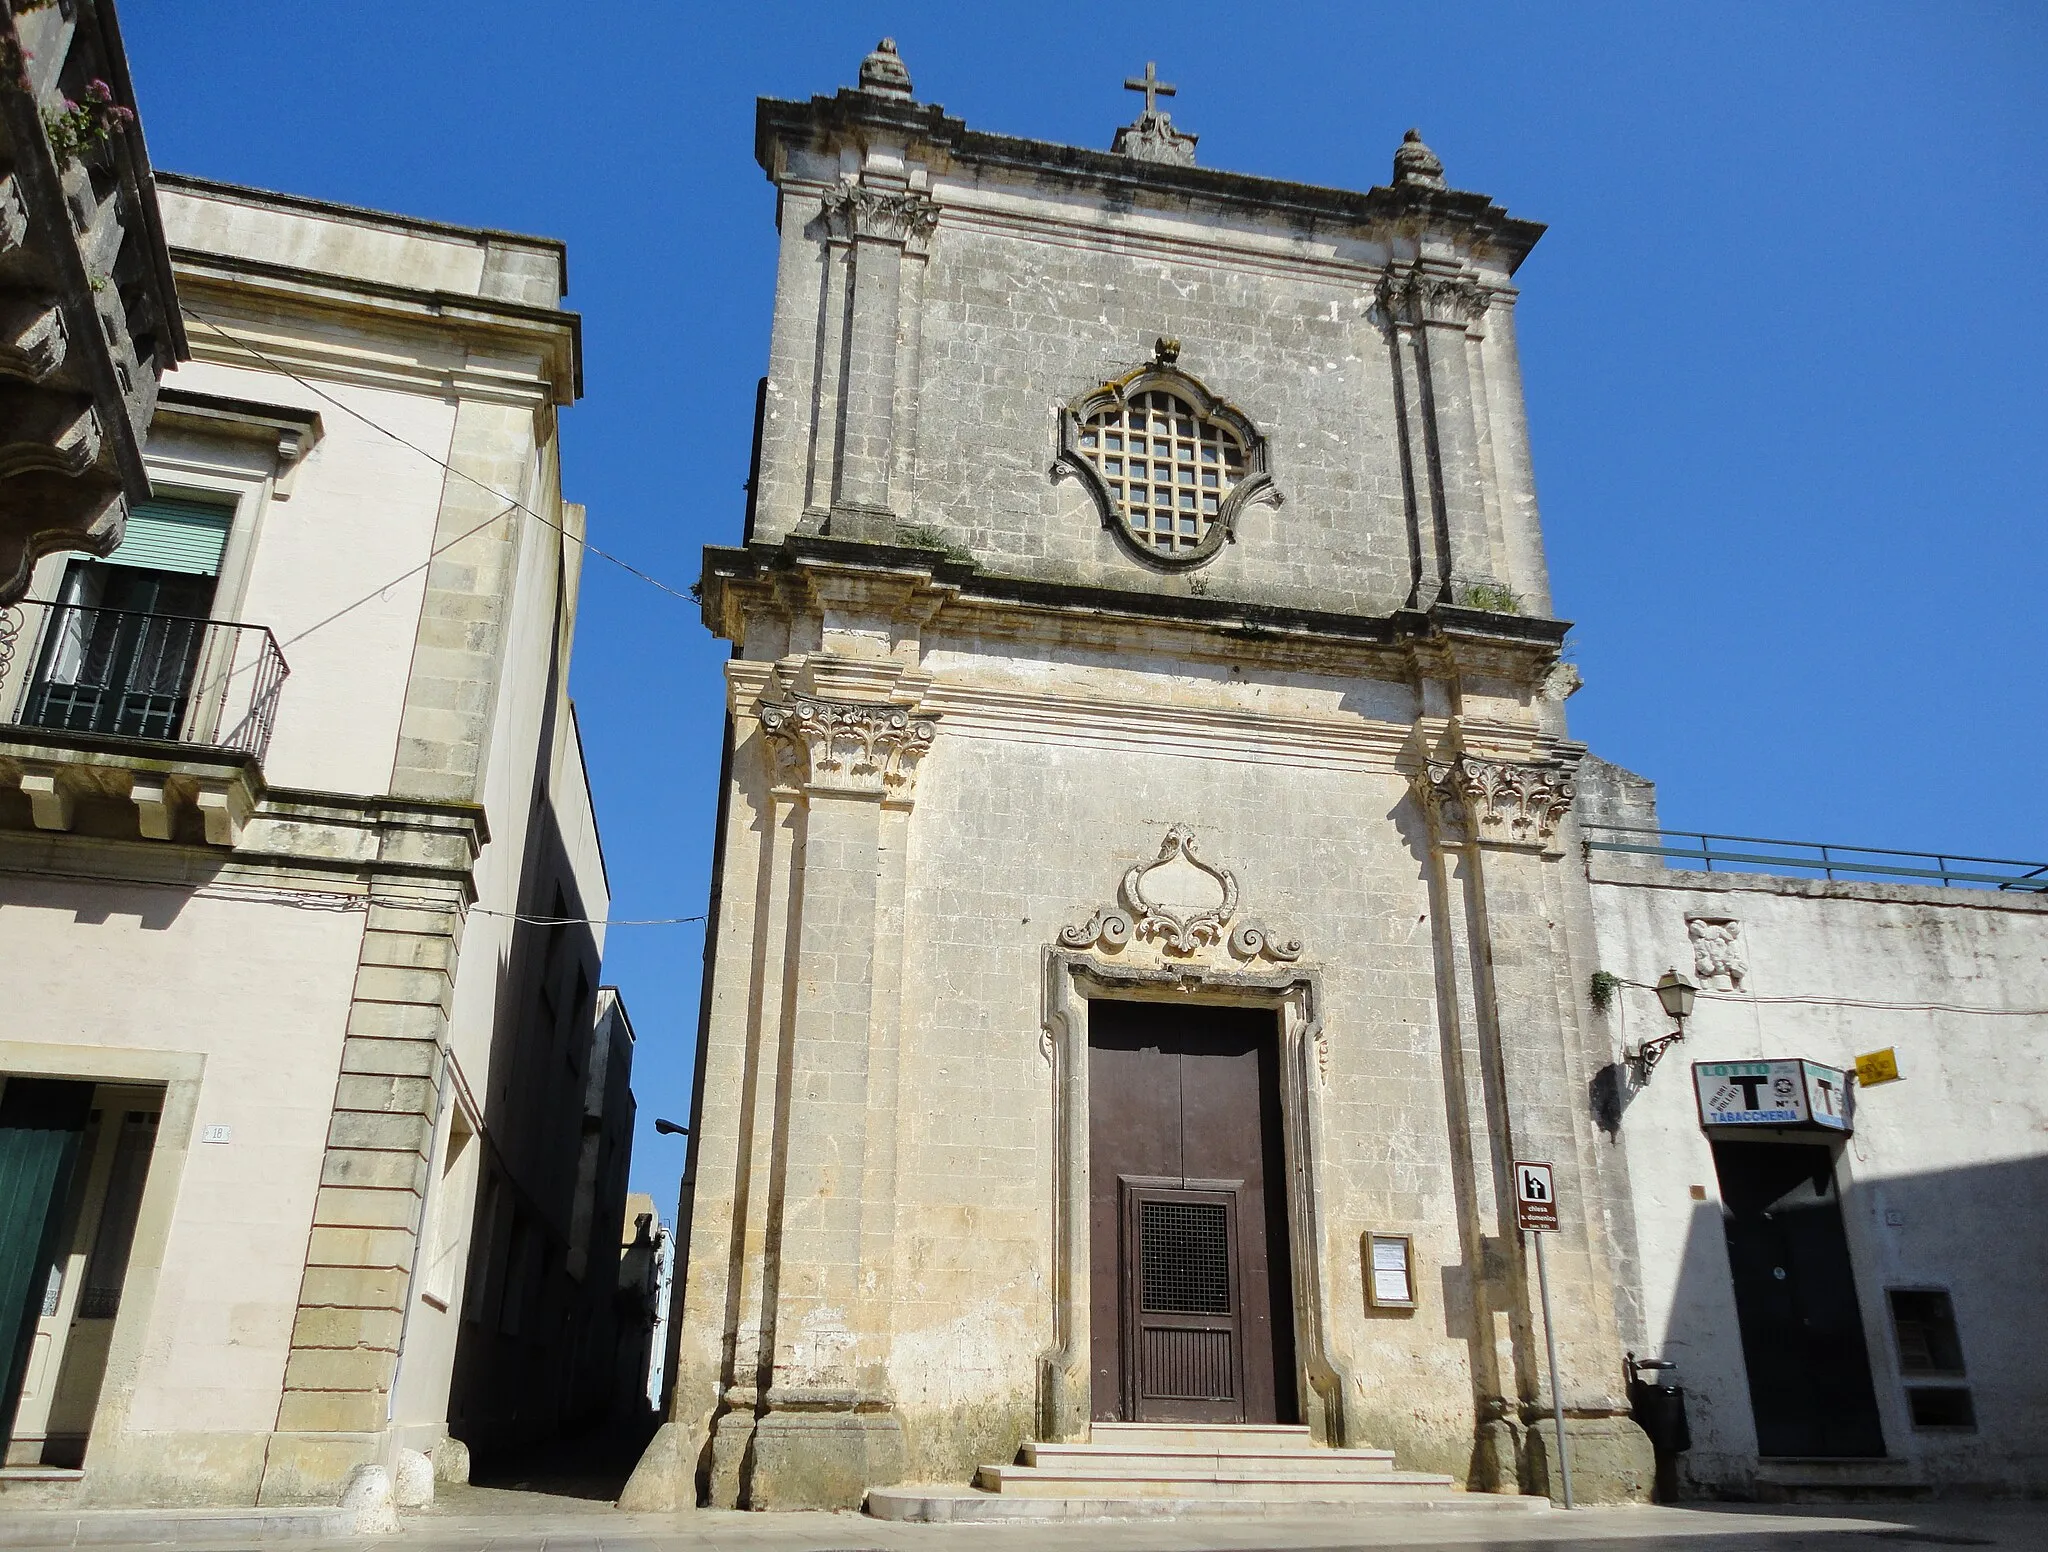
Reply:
x=1871, y=1004
x=348, y=409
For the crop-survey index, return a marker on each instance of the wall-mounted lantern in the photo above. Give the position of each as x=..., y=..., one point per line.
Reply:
x=1676, y=993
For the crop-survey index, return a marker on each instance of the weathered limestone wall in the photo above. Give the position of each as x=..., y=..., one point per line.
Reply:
x=1010, y=299
x=1940, y=1183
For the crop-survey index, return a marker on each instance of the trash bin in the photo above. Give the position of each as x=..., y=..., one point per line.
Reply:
x=1657, y=1403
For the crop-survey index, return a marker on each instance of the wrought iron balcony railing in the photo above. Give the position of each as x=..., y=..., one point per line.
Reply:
x=1811, y=859
x=83, y=669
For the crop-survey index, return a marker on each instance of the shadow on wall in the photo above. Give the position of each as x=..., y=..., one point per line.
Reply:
x=1962, y=1408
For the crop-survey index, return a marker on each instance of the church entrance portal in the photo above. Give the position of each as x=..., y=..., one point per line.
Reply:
x=1192, y=1314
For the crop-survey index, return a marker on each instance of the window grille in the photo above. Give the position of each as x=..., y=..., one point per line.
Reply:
x=1165, y=467
x=1185, y=1249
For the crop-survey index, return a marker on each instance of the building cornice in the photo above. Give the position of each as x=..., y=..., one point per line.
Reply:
x=1398, y=645
x=934, y=135
x=360, y=215
x=216, y=282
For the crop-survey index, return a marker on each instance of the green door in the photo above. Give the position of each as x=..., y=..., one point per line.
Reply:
x=41, y=1121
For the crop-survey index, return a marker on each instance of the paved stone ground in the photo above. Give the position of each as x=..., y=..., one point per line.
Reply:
x=496, y=1520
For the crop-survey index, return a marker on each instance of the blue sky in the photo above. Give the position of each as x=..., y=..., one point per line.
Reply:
x=1782, y=346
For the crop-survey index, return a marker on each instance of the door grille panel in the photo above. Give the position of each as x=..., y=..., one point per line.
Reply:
x=1185, y=1251
x=1189, y=1365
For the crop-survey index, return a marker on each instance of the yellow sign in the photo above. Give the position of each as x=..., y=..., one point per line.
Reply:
x=1878, y=1067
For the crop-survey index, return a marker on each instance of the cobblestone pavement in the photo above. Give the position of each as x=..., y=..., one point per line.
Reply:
x=487, y=1520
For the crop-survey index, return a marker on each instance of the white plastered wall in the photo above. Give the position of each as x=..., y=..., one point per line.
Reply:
x=1940, y=1183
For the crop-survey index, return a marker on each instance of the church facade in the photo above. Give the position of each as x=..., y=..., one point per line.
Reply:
x=1147, y=892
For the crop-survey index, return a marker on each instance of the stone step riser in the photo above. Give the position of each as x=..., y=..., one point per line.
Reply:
x=1225, y=1491
x=1008, y=1479
x=1155, y=1463
x=1217, y=1436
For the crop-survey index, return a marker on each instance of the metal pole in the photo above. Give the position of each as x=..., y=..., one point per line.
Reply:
x=1564, y=1459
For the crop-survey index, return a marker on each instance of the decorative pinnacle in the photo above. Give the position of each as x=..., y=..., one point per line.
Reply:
x=1416, y=166
x=883, y=74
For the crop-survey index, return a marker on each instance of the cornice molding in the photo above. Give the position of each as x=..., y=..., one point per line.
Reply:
x=267, y=305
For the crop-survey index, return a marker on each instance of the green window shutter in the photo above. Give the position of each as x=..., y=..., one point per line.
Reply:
x=183, y=536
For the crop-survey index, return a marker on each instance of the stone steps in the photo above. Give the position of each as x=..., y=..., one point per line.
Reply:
x=1131, y=1470
x=1215, y=1481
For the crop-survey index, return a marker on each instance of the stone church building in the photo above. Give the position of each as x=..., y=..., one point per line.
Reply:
x=1151, y=914
x=1143, y=859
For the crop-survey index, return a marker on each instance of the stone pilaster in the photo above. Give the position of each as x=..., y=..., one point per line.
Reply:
x=806, y=1418
x=1519, y=1072
x=875, y=228
x=367, y=1216
x=1429, y=312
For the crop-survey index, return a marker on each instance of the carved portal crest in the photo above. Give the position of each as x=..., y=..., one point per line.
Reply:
x=1181, y=905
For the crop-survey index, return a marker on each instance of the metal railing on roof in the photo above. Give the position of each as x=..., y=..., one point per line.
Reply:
x=128, y=674
x=1811, y=859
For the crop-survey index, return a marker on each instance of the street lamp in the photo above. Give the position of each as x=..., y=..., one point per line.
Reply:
x=1676, y=993
x=670, y=1129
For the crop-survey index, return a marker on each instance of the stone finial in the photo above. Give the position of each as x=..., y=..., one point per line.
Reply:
x=1416, y=166
x=883, y=72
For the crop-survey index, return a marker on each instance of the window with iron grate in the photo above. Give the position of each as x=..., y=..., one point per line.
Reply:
x=1185, y=1249
x=1167, y=469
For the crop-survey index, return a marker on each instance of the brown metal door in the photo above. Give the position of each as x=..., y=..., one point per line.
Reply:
x=1192, y=1310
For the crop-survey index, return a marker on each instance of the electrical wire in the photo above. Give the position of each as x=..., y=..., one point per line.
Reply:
x=1870, y=1004
x=348, y=409
x=344, y=901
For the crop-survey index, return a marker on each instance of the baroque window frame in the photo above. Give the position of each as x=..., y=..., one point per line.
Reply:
x=1162, y=373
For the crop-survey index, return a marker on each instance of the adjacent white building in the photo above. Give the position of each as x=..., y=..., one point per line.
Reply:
x=298, y=872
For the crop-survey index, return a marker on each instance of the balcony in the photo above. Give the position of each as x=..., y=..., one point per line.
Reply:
x=163, y=716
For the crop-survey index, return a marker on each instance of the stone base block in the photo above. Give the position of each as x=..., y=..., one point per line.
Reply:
x=661, y=1483
x=823, y=1460
x=731, y=1436
x=1611, y=1460
x=313, y=1468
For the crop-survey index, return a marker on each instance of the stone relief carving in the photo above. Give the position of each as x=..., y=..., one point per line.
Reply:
x=856, y=210
x=1497, y=802
x=846, y=746
x=1420, y=297
x=1182, y=905
x=1717, y=953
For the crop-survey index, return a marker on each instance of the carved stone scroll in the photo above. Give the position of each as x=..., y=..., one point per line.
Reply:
x=865, y=748
x=1496, y=802
x=1182, y=906
x=883, y=215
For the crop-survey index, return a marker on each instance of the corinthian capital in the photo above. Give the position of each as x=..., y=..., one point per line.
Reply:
x=855, y=210
x=863, y=748
x=1496, y=802
x=1417, y=296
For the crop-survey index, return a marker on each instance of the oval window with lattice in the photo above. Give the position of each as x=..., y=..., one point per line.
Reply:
x=1169, y=463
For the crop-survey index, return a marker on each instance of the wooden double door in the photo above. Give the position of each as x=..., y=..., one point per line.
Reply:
x=1192, y=1313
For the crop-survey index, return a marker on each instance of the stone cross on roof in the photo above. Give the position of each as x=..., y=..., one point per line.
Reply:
x=1153, y=138
x=1150, y=84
